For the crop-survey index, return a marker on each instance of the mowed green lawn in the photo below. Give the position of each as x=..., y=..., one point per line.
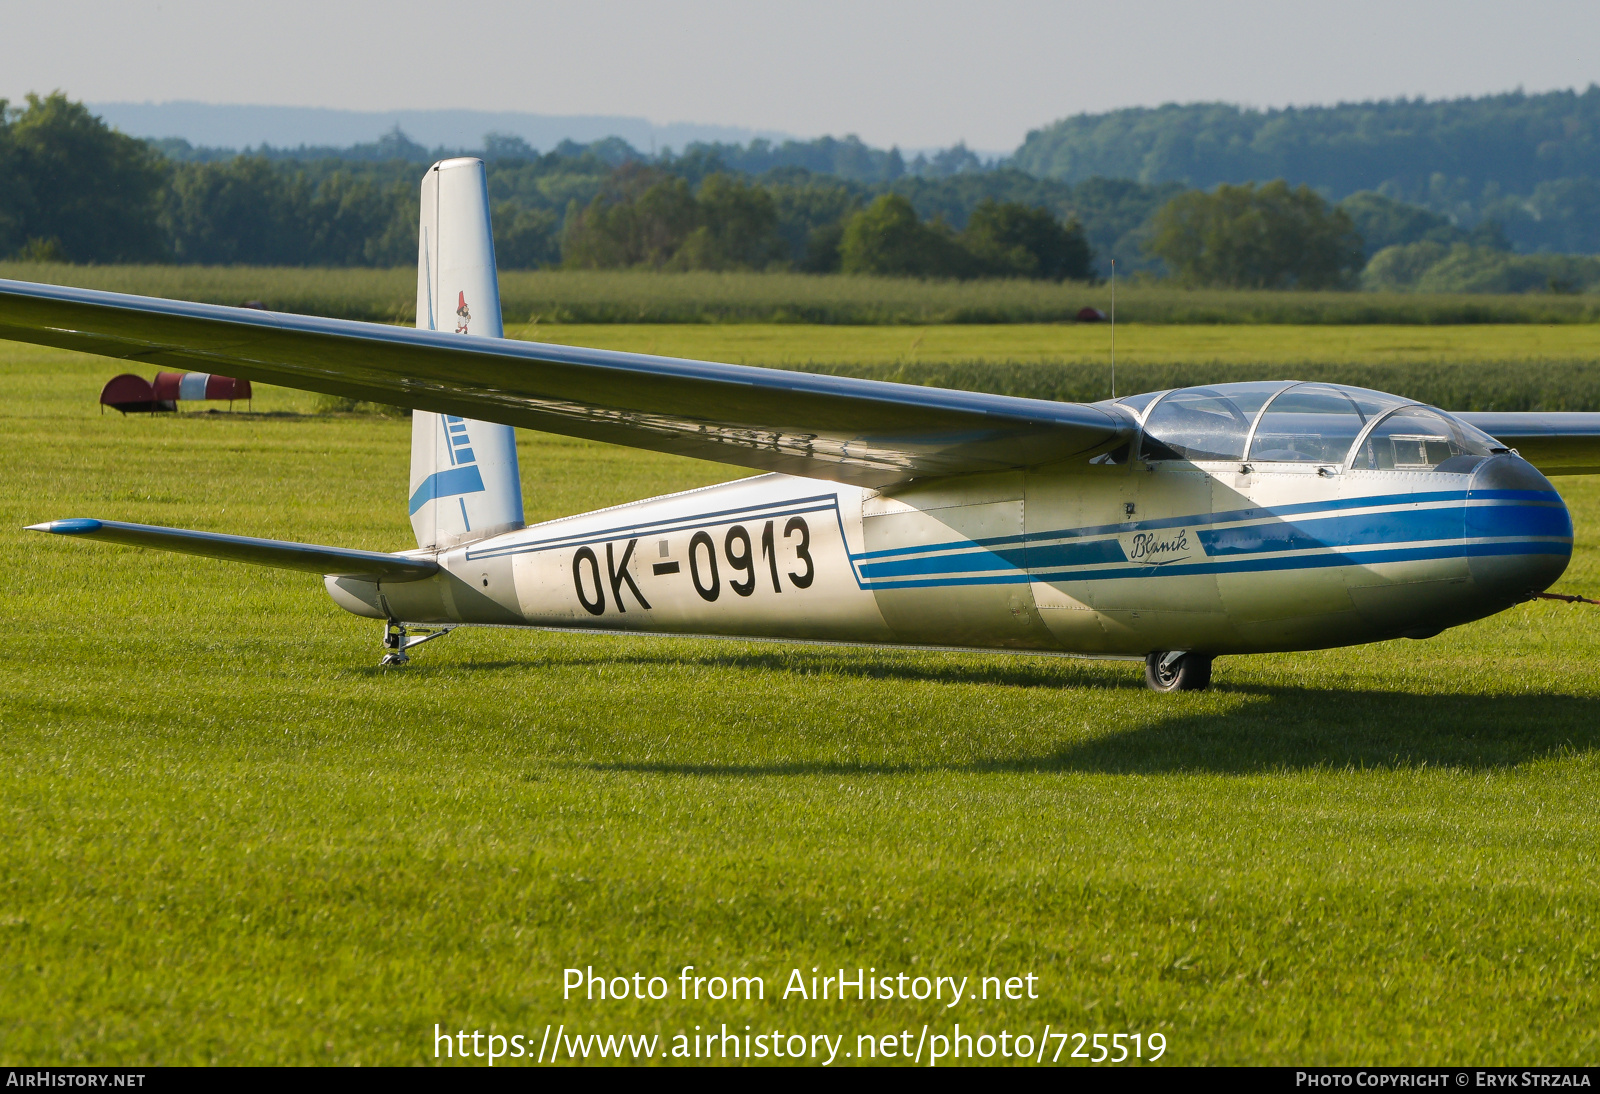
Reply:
x=229, y=837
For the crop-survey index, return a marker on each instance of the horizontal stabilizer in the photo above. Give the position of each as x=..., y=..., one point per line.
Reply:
x=331, y=561
x=864, y=432
x=1556, y=442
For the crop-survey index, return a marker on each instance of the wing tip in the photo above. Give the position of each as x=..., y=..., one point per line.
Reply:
x=72, y=526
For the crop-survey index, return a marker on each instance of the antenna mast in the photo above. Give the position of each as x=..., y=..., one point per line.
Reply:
x=1113, y=328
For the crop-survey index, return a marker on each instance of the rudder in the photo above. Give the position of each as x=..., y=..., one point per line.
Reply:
x=465, y=483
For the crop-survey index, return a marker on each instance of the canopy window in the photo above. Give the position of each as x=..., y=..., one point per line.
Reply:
x=1204, y=423
x=1418, y=439
x=1309, y=423
x=1137, y=403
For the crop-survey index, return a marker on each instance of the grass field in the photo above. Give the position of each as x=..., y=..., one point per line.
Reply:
x=640, y=296
x=231, y=838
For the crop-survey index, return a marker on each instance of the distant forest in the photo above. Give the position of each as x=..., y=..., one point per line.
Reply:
x=1530, y=163
x=1444, y=195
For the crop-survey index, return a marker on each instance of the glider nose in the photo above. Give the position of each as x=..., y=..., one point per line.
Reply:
x=1518, y=530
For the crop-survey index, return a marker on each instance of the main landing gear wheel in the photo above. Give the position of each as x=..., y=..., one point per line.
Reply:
x=1177, y=671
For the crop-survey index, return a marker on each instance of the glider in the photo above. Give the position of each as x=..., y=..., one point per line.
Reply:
x=1169, y=527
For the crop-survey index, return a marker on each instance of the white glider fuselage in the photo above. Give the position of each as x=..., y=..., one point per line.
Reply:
x=1096, y=559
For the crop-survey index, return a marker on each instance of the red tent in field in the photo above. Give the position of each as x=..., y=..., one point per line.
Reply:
x=133, y=394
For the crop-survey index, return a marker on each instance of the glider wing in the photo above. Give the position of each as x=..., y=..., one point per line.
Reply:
x=1556, y=442
x=864, y=432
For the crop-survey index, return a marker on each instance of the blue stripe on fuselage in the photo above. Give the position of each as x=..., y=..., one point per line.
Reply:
x=1500, y=521
x=1337, y=540
x=1321, y=560
x=1232, y=516
x=959, y=563
x=1394, y=526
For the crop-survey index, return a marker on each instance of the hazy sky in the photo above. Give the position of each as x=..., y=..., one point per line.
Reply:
x=914, y=74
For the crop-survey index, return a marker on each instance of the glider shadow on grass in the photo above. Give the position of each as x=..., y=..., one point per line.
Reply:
x=1300, y=729
x=1277, y=728
x=1027, y=671
x=1281, y=729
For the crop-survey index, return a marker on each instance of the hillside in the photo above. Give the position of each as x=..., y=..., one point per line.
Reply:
x=1530, y=162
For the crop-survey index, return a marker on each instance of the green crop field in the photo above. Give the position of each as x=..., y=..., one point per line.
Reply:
x=230, y=837
x=1084, y=343
x=644, y=296
x=1485, y=367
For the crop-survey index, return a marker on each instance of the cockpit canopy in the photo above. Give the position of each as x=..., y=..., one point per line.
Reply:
x=1290, y=422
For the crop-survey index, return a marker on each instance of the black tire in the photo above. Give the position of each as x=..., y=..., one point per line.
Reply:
x=1191, y=672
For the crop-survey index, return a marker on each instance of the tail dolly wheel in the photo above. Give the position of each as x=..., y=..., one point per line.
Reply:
x=397, y=639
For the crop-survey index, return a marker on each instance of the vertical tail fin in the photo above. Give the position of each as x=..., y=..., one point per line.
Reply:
x=464, y=478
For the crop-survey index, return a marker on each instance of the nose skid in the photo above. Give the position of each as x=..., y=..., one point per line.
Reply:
x=1518, y=530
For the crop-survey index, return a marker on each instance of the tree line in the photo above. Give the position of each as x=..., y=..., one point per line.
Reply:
x=1529, y=162
x=72, y=189
x=78, y=191
x=645, y=216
